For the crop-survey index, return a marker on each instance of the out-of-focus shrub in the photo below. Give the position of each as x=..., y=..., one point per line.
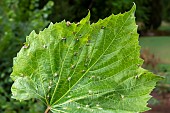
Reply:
x=148, y=12
x=17, y=19
x=166, y=10
x=150, y=60
x=74, y=10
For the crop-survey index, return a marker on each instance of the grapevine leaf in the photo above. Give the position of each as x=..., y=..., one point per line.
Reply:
x=84, y=68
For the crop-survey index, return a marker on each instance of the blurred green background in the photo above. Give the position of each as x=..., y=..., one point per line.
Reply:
x=19, y=17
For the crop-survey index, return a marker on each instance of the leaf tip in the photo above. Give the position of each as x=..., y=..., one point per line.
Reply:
x=51, y=24
x=88, y=15
x=86, y=19
x=133, y=9
x=33, y=32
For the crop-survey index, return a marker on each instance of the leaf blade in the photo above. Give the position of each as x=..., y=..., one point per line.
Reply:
x=85, y=68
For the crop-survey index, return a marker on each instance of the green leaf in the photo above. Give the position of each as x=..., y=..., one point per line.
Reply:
x=84, y=68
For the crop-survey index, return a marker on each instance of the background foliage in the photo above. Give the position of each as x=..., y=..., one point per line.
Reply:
x=18, y=18
x=148, y=11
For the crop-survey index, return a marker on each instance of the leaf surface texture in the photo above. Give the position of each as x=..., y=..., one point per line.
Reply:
x=84, y=68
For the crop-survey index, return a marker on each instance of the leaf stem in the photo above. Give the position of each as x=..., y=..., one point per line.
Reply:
x=47, y=110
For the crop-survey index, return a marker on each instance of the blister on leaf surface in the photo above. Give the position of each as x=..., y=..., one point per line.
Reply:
x=85, y=68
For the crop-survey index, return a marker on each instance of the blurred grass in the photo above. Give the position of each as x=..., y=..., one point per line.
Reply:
x=164, y=67
x=158, y=45
x=165, y=26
